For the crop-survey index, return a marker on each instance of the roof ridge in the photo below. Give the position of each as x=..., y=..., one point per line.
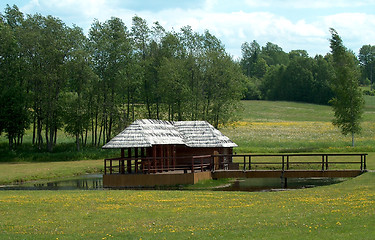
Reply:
x=149, y=132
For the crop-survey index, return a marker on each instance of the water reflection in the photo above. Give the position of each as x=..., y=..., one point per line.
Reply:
x=276, y=184
x=85, y=182
x=95, y=182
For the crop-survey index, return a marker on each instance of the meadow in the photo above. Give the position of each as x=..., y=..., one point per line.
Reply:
x=341, y=211
x=296, y=127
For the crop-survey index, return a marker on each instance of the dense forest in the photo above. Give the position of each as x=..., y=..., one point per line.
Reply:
x=55, y=78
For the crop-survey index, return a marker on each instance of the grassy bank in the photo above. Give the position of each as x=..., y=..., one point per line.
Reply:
x=21, y=172
x=342, y=211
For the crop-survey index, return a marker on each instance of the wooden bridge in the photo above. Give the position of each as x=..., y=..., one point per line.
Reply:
x=164, y=171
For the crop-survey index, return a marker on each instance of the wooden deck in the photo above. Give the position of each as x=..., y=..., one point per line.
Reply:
x=148, y=173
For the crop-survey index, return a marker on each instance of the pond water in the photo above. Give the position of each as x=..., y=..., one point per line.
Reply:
x=275, y=184
x=84, y=182
x=95, y=182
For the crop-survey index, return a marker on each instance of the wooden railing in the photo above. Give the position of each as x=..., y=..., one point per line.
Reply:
x=149, y=165
x=284, y=161
x=249, y=162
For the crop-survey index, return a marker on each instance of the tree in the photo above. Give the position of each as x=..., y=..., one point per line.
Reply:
x=14, y=115
x=273, y=54
x=367, y=60
x=323, y=73
x=348, y=100
x=79, y=85
x=112, y=53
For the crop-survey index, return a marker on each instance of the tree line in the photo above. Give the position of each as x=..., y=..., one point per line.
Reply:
x=53, y=77
x=276, y=75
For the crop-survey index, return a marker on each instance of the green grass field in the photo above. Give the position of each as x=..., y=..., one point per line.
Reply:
x=267, y=126
x=341, y=211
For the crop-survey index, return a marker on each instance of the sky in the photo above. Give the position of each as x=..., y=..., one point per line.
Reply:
x=291, y=24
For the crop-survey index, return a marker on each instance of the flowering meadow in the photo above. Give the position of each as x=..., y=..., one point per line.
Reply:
x=295, y=127
x=342, y=211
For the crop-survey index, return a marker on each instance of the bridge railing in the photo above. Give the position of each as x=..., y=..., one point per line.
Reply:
x=313, y=161
x=248, y=162
x=147, y=165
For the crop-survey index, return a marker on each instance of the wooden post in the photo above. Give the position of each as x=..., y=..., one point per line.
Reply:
x=287, y=162
x=364, y=162
x=168, y=154
x=136, y=160
x=129, y=161
x=105, y=166
x=122, y=170
x=174, y=156
x=322, y=162
x=154, y=155
x=110, y=166
x=326, y=162
x=192, y=164
x=149, y=166
x=249, y=162
x=142, y=158
x=283, y=168
x=244, y=163
x=161, y=158
x=201, y=164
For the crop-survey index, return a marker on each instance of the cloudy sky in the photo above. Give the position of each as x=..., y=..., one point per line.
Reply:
x=291, y=24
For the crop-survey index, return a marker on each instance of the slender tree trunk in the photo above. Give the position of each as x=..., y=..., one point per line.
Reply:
x=109, y=128
x=10, y=139
x=157, y=109
x=179, y=111
x=77, y=141
x=105, y=129
x=352, y=139
x=55, y=141
x=169, y=112
x=46, y=135
x=100, y=134
x=39, y=133
x=85, y=137
x=96, y=127
x=133, y=112
x=128, y=108
x=34, y=128
x=92, y=131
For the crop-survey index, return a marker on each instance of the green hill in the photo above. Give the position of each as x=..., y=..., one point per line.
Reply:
x=266, y=126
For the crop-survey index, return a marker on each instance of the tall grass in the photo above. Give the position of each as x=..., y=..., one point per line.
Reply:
x=342, y=211
x=296, y=127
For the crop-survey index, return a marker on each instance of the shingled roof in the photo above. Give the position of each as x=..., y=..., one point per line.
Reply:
x=149, y=132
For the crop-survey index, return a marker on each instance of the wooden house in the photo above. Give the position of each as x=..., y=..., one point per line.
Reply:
x=155, y=146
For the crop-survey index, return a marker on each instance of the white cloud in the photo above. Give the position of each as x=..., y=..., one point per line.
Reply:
x=234, y=27
x=309, y=4
x=356, y=29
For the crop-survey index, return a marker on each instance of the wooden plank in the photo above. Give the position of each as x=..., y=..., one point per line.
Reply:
x=285, y=174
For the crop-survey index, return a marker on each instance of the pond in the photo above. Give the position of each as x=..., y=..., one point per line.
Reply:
x=95, y=182
x=84, y=182
x=275, y=184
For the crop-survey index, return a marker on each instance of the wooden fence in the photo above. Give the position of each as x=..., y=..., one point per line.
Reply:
x=249, y=162
x=252, y=162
